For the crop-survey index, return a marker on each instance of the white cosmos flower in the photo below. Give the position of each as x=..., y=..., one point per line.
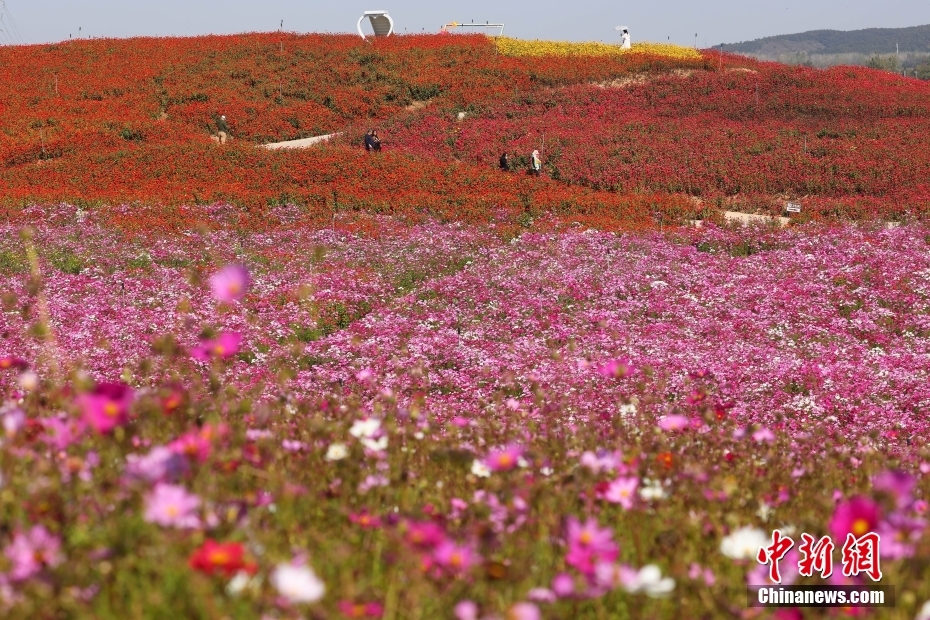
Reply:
x=376, y=445
x=924, y=613
x=298, y=584
x=650, y=581
x=336, y=452
x=479, y=469
x=365, y=428
x=651, y=490
x=744, y=543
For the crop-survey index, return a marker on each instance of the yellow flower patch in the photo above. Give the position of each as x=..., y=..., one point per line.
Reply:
x=522, y=47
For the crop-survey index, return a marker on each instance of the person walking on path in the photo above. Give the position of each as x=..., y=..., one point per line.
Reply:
x=535, y=163
x=505, y=162
x=223, y=131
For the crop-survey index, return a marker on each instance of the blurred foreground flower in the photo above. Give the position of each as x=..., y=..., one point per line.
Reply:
x=648, y=580
x=230, y=283
x=504, y=460
x=857, y=516
x=222, y=347
x=298, y=584
x=616, y=369
x=226, y=558
x=107, y=406
x=744, y=543
x=14, y=363
x=31, y=552
x=361, y=610
x=171, y=505
x=336, y=452
x=589, y=545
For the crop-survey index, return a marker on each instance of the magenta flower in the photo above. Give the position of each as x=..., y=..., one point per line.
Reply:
x=13, y=363
x=897, y=484
x=33, y=551
x=858, y=516
x=589, y=545
x=616, y=369
x=171, y=505
x=504, y=460
x=454, y=557
x=563, y=585
x=425, y=535
x=230, y=283
x=107, y=406
x=674, y=422
x=224, y=346
x=622, y=491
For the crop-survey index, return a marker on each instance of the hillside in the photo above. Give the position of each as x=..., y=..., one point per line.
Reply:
x=628, y=139
x=867, y=41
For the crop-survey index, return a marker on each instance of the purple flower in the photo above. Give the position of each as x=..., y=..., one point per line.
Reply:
x=230, y=283
x=563, y=585
x=31, y=552
x=454, y=557
x=466, y=610
x=524, y=611
x=160, y=464
x=170, y=505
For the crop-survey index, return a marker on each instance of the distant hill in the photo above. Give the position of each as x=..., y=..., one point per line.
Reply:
x=868, y=41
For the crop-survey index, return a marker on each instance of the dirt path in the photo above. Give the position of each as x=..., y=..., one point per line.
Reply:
x=299, y=144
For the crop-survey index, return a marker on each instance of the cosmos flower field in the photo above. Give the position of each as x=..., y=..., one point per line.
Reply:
x=520, y=399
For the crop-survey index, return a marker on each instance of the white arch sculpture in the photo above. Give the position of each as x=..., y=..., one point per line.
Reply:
x=381, y=22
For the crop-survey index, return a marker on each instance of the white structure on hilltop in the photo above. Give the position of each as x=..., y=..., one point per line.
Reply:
x=381, y=23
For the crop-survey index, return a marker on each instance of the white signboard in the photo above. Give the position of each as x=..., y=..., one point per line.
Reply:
x=793, y=207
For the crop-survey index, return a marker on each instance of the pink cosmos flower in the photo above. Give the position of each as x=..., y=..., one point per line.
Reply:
x=622, y=491
x=602, y=461
x=222, y=347
x=616, y=369
x=589, y=545
x=171, y=505
x=107, y=406
x=674, y=422
x=898, y=484
x=425, y=534
x=504, y=460
x=13, y=363
x=454, y=557
x=196, y=444
x=31, y=552
x=763, y=434
x=160, y=464
x=230, y=283
x=563, y=585
x=523, y=611
x=858, y=516
x=350, y=609
x=61, y=431
x=466, y=610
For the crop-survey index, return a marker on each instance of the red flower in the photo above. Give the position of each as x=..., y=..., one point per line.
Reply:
x=223, y=558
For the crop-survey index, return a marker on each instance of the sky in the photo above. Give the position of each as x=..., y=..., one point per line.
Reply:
x=714, y=21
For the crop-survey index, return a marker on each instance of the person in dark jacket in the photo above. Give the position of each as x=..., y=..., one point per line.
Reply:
x=369, y=140
x=223, y=132
x=375, y=141
x=505, y=162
